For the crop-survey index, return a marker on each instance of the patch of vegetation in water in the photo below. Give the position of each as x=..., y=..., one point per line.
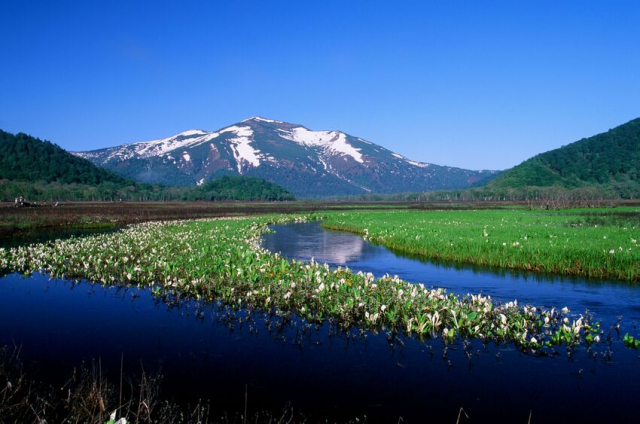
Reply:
x=560, y=242
x=222, y=260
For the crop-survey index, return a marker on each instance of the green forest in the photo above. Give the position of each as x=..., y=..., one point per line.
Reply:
x=25, y=158
x=238, y=188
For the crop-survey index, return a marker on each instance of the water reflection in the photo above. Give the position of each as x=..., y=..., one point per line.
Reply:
x=311, y=241
x=606, y=299
x=206, y=354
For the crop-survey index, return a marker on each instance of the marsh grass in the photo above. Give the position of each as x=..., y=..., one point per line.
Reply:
x=588, y=243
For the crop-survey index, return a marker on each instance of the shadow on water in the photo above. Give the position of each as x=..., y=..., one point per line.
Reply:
x=43, y=236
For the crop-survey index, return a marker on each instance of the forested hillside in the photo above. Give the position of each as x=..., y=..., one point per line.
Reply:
x=238, y=188
x=25, y=158
x=610, y=160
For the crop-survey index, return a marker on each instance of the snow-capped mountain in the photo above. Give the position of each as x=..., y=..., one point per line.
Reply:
x=306, y=162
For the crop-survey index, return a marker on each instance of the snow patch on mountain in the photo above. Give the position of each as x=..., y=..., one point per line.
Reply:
x=186, y=156
x=242, y=148
x=341, y=145
x=189, y=133
x=261, y=119
x=146, y=149
x=329, y=140
x=418, y=164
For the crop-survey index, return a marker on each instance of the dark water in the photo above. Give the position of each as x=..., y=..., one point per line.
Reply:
x=203, y=355
x=42, y=236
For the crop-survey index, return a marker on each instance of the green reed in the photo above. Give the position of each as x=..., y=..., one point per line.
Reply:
x=561, y=242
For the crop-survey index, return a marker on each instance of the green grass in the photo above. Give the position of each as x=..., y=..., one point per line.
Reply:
x=600, y=243
x=221, y=260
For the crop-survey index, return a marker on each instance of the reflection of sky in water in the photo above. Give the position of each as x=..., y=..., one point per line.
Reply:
x=311, y=241
x=607, y=299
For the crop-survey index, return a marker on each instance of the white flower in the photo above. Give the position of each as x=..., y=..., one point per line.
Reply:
x=596, y=339
x=383, y=307
x=534, y=340
x=565, y=310
x=612, y=251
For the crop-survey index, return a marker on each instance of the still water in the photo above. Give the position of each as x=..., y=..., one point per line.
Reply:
x=203, y=354
x=606, y=300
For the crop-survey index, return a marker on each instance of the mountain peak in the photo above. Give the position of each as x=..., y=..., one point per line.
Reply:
x=309, y=163
x=261, y=119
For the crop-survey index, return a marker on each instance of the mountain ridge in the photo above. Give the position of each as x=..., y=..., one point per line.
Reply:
x=308, y=163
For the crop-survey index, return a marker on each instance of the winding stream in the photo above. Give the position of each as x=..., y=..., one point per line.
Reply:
x=606, y=300
x=205, y=354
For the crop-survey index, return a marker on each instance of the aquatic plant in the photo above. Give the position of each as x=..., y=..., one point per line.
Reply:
x=222, y=260
x=631, y=341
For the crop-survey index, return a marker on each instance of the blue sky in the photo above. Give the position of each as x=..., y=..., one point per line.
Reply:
x=475, y=84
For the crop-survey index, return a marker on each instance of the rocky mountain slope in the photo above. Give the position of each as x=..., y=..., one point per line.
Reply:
x=307, y=163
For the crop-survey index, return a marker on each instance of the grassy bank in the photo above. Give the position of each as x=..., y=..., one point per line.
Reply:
x=221, y=260
x=600, y=243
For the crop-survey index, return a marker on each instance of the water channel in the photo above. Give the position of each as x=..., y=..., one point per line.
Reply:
x=204, y=354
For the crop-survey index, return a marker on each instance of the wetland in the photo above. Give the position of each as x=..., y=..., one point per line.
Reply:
x=372, y=333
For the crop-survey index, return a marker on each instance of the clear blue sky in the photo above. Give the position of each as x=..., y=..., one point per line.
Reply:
x=475, y=84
